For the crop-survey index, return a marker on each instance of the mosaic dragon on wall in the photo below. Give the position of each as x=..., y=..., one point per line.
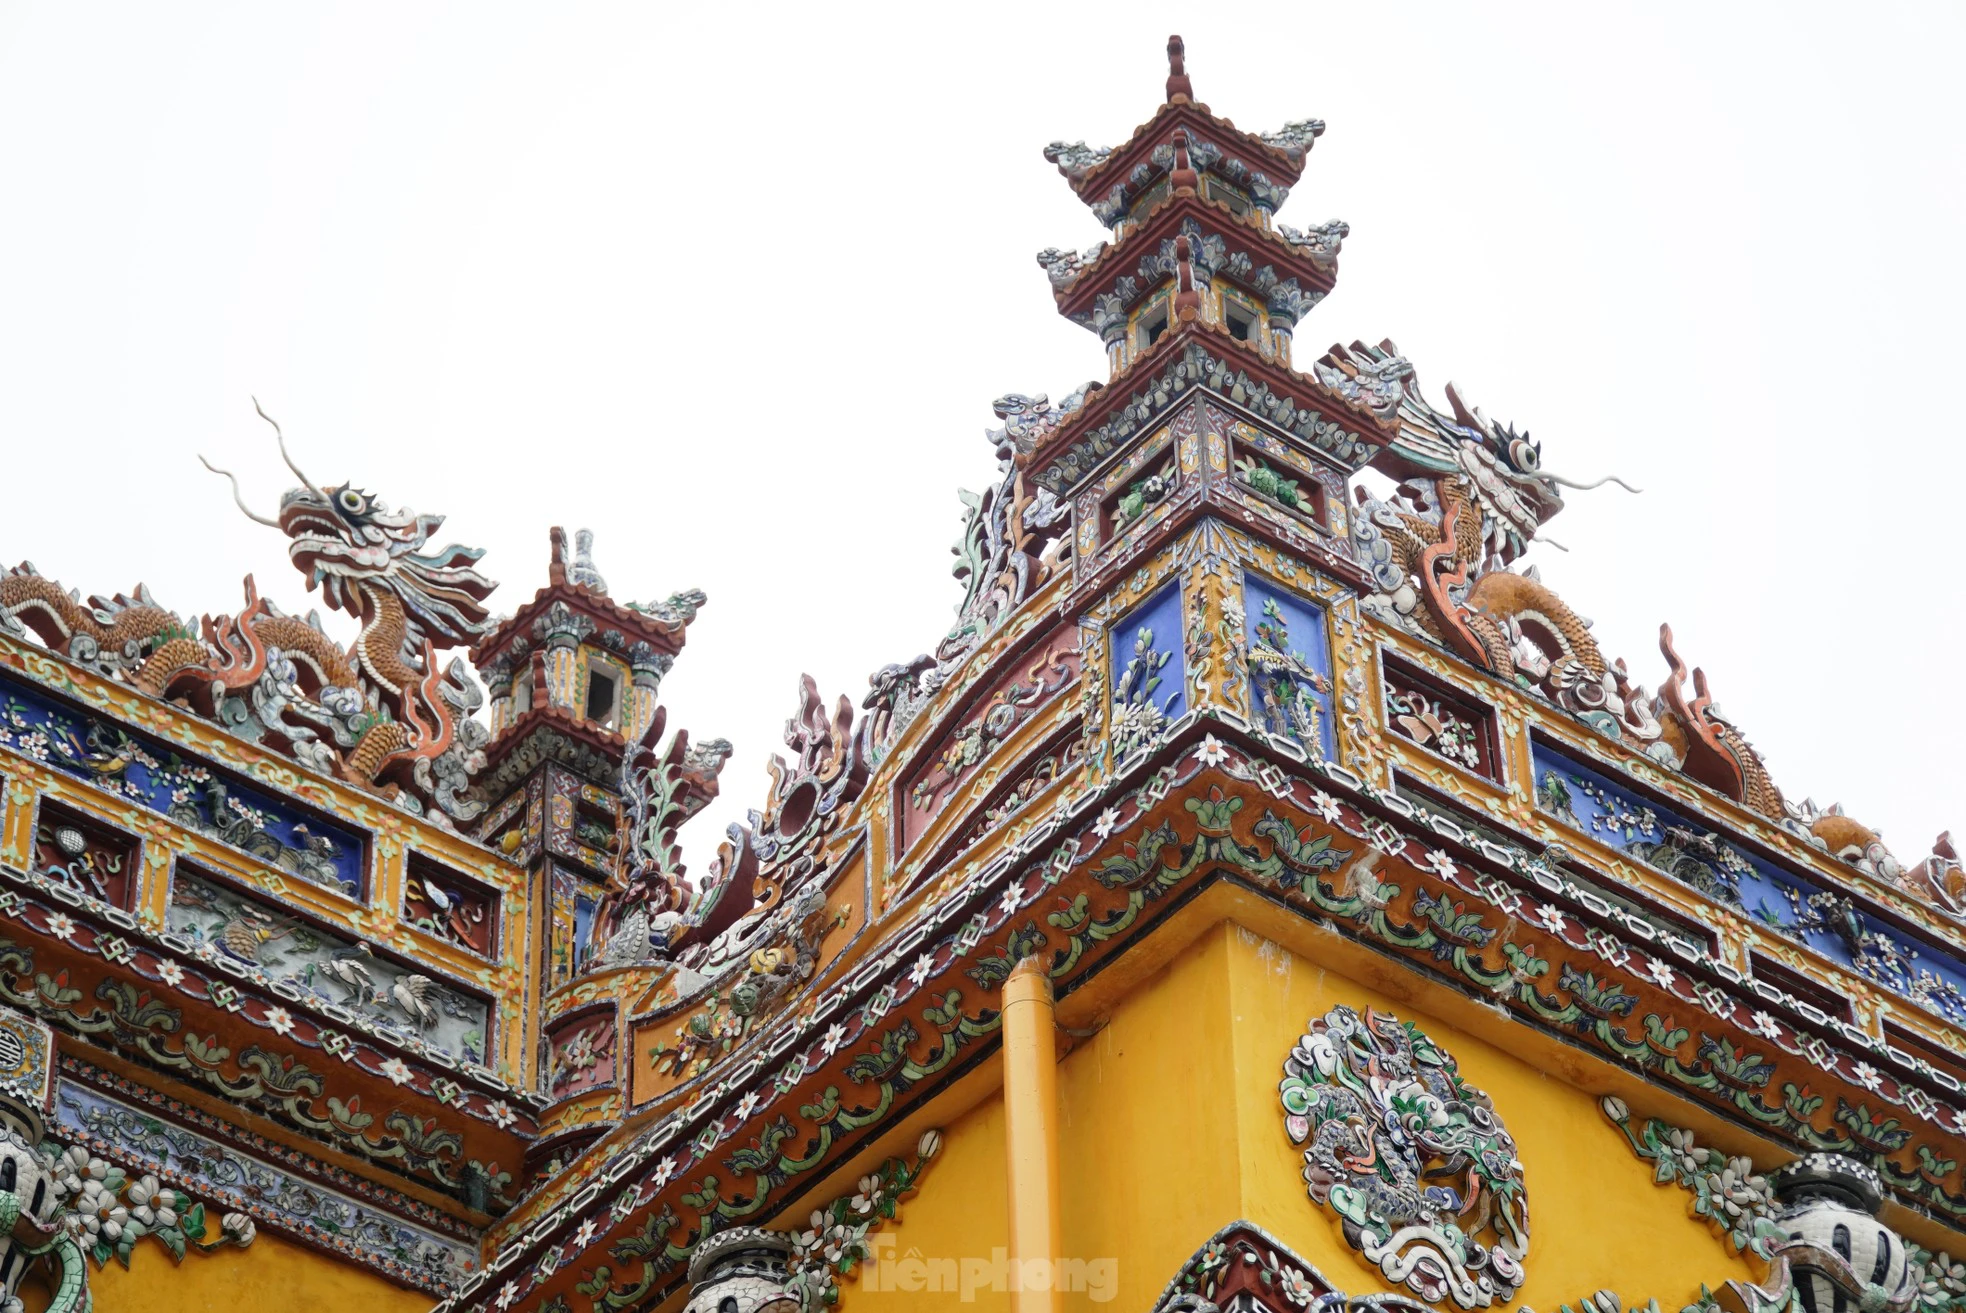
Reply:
x=381, y=713
x=1414, y=1162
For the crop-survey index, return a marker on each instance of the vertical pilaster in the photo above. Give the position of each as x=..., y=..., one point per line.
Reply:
x=1030, y=1066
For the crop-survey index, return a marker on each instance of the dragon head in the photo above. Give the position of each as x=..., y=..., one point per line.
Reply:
x=344, y=539
x=1505, y=470
x=349, y=543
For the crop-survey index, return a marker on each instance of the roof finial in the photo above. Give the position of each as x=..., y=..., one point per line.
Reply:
x=1178, y=85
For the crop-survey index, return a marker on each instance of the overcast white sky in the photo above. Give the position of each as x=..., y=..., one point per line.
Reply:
x=734, y=285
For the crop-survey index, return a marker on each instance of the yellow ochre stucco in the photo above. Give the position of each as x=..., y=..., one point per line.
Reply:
x=1170, y=1129
x=272, y=1275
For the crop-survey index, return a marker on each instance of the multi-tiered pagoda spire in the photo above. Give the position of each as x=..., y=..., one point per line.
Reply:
x=1191, y=201
x=1218, y=742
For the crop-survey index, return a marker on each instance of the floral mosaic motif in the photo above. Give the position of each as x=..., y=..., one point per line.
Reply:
x=83, y=854
x=159, y=1150
x=834, y=1243
x=109, y=1212
x=1430, y=720
x=581, y=1057
x=223, y=924
x=1289, y=668
x=1145, y=646
x=190, y=794
x=1701, y=859
x=1728, y=1193
x=1413, y=1160
x=1827, y=920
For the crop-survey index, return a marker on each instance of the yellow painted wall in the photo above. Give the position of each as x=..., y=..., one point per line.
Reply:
x=1597, y=1220
x=1170, y=1129
x=272, y=1274
x=961, y=1212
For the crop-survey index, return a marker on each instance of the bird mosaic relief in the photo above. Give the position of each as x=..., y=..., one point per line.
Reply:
x=351, y=975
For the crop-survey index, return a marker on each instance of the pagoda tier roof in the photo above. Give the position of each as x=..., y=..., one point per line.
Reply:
x=1349, y=422
x=1248, y=248
x=1110, y=180
x=606, y=745
x=1284, y=164
x=665, y=634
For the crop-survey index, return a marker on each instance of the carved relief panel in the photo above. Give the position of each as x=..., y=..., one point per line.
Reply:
x=1035, y=681
x=1289, y=655
x=84, y=853
x=221, y=922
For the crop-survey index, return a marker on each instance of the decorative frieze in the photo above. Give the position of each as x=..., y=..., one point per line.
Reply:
x=1434, y=716
x=222, y=923
x=208, y=802
x=1826, y=919
x=169, y=1157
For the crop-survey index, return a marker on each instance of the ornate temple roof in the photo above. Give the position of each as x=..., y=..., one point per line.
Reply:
x=427, y=921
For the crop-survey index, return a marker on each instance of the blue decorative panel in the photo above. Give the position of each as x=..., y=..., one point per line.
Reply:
x=1821, y=916
x=584, y=907
x=1289, y=666
x=1150, y=679
x=196, y=797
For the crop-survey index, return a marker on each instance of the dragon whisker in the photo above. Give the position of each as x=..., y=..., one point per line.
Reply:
x=237, y=499
x=1586, y=487
x=308, y=483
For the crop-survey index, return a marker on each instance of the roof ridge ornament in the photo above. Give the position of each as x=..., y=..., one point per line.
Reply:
x=1179, y=89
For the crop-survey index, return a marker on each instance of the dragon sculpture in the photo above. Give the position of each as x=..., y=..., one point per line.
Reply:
x=381, y=713
x=1473, y=494
x=1471, y=497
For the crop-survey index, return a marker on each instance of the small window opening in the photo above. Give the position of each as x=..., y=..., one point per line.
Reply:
x=1154, y=329
x=522, y=692
x=600, y=697
x=1240, y=322
x=1218, y=191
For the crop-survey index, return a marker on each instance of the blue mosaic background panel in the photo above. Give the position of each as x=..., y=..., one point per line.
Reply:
x=1820, y=915
x=1289, y=657
x=1150, y=678
x=145, y=771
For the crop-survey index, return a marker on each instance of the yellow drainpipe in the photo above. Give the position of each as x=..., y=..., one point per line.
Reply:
x=1030, y=1097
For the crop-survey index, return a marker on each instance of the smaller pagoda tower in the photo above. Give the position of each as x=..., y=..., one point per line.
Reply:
x=574, y=678
x=1191, y=202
